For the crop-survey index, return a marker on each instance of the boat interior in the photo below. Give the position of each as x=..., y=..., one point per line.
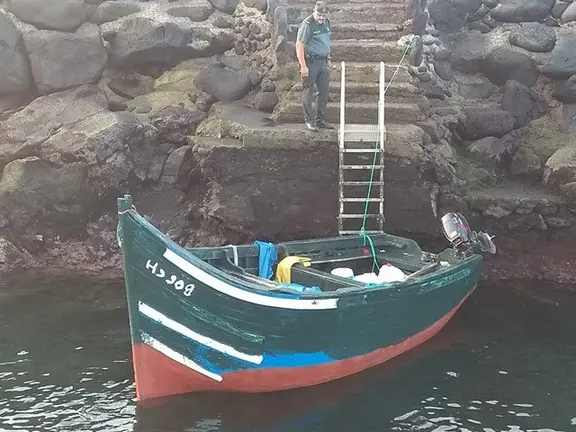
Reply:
x=315, y=263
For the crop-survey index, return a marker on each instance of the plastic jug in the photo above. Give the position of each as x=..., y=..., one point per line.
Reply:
x=390, y=273
x=344, y=272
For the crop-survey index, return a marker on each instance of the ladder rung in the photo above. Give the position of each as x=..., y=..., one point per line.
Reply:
x=362, y=183
x=361, y=166
x=349, y=150
x=358, y=232
x=360, y=216
x=361, y=199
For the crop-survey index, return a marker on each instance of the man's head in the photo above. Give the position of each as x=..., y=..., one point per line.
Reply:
x=320, y=11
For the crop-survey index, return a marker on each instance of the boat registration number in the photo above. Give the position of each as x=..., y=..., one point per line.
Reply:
x=172, y=280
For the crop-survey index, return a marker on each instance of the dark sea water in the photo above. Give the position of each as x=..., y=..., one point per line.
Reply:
x=506, y=362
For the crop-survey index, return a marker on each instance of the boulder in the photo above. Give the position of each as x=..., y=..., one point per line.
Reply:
x=11, y=257
x=112, y=145
x=561, y=167
x=561, y=63
x=227, y=6
x=131, y=85
x=503, y=64
x=533, y=37
x=569, y=15
x=261, y=5
x=223, y=83
x=450, y=15
x=469, y=51
x=486, y=122
x=181, y=77
x=565, y=91
x=266, y=101
x=444, y=70
x=522, y=10
x=474, y=86
x=62, y=60
x=166, y=40
x=526, y=163
x=523, y=103
x=92, y=140
x=112, y=10
x=14, y=68
x=493, y=153
x=198, y=10
x=559, y=8
x=172, y=113
x=61, y=15
x=545, y=137
x=23, y=133
x=151, y=103
x=569, y=190
x=176, y=124
x=32, y=190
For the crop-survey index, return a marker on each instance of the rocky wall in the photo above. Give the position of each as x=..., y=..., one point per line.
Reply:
x=110, y=100
x=98, y=98
x=500, y=76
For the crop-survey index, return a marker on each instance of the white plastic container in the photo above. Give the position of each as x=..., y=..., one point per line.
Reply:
x=390, y=273
x=367, y=278
x=345, y=272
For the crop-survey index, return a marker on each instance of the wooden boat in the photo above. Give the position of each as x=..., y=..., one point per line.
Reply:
x=217, y=319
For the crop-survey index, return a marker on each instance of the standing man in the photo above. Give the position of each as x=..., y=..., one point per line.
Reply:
x=313, y=53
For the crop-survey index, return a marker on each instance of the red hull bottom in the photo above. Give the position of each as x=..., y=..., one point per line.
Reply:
x=157, y=375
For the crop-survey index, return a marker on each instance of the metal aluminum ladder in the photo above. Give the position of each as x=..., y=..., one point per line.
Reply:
x=361, y=159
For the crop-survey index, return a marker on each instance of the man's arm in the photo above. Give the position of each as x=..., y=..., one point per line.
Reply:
x=301, y=39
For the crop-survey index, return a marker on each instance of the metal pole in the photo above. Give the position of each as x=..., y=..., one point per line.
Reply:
x=381, y=127
x=342, y=101
x=382, y=131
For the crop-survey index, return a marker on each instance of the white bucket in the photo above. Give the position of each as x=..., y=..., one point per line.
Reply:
x=343, y=272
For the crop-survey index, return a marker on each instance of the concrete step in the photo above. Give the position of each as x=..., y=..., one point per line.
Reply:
x=351, y=12
x=290, y=111
x=254, y=128
x=368, y=92
x=370, y=72
x=385, y=32
x=366, y=51
x=331, y=3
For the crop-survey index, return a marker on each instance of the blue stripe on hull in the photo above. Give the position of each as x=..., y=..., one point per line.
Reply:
x=220, y=363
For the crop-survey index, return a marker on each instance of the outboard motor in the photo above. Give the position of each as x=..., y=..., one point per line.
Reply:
x=462, y=238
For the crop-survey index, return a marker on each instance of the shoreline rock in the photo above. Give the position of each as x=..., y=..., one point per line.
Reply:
x=184, y=104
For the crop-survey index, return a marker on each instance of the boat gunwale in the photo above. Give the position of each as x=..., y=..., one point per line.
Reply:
x=260, y=289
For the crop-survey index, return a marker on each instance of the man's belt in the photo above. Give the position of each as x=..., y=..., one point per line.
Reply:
x=316, y=57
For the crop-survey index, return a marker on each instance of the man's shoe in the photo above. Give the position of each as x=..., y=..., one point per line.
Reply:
x=311, y=126
x=324, y=125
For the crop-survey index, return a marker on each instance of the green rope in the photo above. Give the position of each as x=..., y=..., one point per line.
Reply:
x=366, y=237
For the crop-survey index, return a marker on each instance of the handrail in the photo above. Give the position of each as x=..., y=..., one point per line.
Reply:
x=342, y=101
x=381, y=104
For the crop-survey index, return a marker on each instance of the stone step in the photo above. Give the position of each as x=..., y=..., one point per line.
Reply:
x=386, y=32
x=368, y=92
x=331, y=3
x=351, y=12
x=254, y=128
x=366, y=51
x=290, y=111
x=370, y=72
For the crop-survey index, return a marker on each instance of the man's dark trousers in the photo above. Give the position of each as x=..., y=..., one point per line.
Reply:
x=319, y=77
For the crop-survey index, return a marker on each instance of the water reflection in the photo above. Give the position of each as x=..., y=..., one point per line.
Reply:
x=505, y=363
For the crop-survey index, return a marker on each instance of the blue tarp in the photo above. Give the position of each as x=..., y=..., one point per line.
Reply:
x=299, y=288
x=266, y=258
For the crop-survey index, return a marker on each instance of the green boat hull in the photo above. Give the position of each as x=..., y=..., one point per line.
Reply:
x=203, y=320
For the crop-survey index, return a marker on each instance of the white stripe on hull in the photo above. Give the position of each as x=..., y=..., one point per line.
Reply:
x=177, y=357
x=247, y=296
x=162, y=319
